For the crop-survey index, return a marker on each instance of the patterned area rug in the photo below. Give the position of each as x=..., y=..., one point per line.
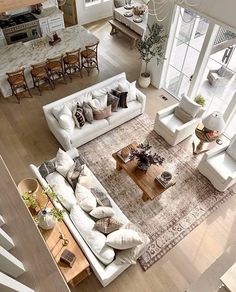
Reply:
x=171, y=216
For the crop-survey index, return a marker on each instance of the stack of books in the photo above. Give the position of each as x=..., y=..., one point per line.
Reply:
x=164, y=183
x=124, y=159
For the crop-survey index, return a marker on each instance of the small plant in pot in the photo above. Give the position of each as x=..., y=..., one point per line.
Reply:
x=200, y=99
x=47, y=217
x=152, y=45
x=144, y=157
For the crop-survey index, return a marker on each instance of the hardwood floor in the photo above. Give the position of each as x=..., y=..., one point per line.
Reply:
x=25, y=139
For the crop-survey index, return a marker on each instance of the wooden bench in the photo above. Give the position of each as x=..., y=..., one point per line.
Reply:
x=118, y=26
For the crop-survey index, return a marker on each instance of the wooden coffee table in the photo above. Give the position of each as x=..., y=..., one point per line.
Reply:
x=145, y=180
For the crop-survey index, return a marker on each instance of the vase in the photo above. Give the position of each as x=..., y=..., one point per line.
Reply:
x=143, y=166
x=46, y=220
x=144, y=81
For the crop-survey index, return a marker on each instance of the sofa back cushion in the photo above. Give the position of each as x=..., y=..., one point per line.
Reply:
x=231, y=150
x=189, y=106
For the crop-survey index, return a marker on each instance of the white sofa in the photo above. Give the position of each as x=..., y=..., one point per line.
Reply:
x=104, y=273
x=98, y=127
x=172, y=129
x=219, y=166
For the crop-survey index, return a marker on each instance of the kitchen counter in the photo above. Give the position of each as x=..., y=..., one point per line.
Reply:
x=20, y=55
x=49, y=12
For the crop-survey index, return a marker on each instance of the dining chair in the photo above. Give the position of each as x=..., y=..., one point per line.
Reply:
x=55, y=68
x=39, y=73
x=72, y=63
x=89, y=57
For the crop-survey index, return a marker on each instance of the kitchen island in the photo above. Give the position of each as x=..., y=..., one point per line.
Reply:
x=20, y=55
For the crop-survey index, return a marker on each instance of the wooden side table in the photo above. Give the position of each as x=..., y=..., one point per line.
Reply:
x=80, y=269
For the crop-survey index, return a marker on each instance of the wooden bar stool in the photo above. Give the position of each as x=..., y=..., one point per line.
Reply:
x=72, y=63
x=55, y=68
x=89, y=57
x=40, y=75
x=17, y=81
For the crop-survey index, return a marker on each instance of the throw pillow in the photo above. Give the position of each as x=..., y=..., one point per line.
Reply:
x=46, y=168
x=85, y=198
x=63, y=162
x=123, y=239
x=102, y=114
x=88, y=112
x=99, y=103
x=65, y=193
x=85, y=179
x=102, y=212
x=189, y=106
x=74, y=173
x=113, y=101
x=125, y=86
x=122, y=97
x=65, y=119
x=182, y=115
x=107, y=225
x=78, y=116
x=101, y=197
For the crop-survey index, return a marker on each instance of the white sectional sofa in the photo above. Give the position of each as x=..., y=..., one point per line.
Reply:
x=98, y=127
x=104, y=273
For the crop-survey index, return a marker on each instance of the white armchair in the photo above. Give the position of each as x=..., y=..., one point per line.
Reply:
x=219, y=166
x=174, y=129
x=220, y=77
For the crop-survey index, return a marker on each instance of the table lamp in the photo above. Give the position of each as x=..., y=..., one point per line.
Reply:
x=214, y=122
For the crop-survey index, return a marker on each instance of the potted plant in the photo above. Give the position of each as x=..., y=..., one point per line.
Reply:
x=200, y=99
x=144, y=156
x=152, y=45
x=46, y=217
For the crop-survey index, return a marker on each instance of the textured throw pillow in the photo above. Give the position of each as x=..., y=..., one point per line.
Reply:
x=102, y=114
x=63, y=162
x=78, y=116
x=107, y=225
x=88, y=112
x=99, y=103
x=64, y=191
x=113, y=101
x=74, y=173
x=46, y=168
x=85, y=179
x=189, y=106
x=122, y=97
x=102, y=212
x=65, y=120
x=182, y=115
x=123, y=239
x=101, y=197
x=130, y=256
x=85, y=198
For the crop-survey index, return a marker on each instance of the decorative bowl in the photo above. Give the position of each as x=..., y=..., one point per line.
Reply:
x=166, y=176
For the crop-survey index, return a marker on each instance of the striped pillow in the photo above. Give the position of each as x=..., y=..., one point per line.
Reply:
x=78, y=116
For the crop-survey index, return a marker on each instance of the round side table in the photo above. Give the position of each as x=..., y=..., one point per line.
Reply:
x=205, y=136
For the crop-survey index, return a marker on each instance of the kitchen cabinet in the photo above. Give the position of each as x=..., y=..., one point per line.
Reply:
x=51, y=24
x=2, y=39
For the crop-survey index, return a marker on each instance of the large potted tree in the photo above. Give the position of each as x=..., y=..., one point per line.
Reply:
x=150, y=46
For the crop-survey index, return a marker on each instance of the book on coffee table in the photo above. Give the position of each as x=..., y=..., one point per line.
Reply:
x=125, y=160
x=164, y=183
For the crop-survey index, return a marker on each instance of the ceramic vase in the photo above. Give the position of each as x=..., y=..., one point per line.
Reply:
x=46, y=220
x=143, y=81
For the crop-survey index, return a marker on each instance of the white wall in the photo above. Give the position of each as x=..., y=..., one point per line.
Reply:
x=94, y=12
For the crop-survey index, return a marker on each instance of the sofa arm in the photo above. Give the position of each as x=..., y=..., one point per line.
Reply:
x=62, y=136
x=166, y=111
x=216, y=151
x=141, y=97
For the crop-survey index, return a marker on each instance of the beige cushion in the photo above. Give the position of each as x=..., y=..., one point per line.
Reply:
x=63, y=162
x=102, y=114
x=189, y=106
x=102, y=212
x=123, y=239
x=107, y=225
x=85, y=198
x=182, y=115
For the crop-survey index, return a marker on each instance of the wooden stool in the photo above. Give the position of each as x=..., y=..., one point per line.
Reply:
x=17, y=80
x=39, y=73
x=90, y=57
x=55, y=67
x=72, y=63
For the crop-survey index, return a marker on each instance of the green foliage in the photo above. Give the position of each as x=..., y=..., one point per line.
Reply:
x=30, y=200
x=200, y=99
x=153, y=44
x=57, y=214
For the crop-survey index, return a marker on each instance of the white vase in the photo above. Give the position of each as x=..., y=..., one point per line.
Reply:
x=46, y=220
x=144, y=81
